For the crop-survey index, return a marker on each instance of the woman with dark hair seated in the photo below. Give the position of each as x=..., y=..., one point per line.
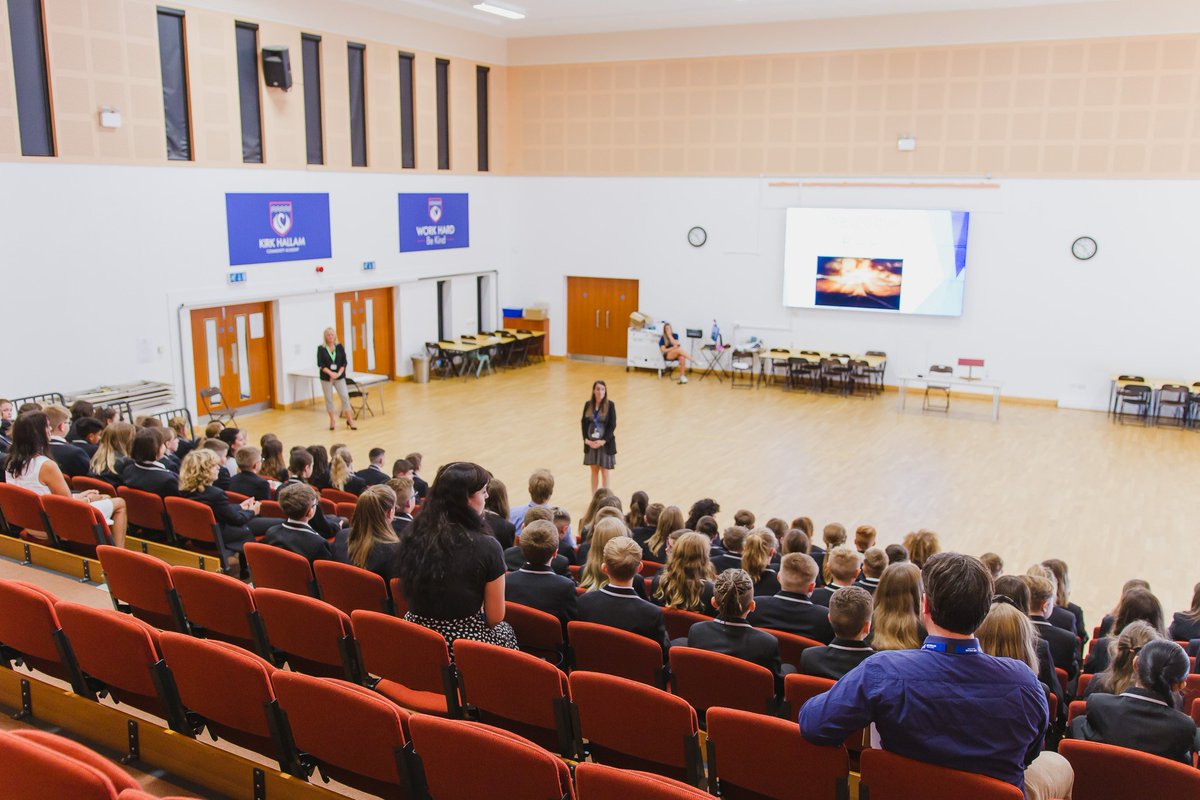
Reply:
x=144, y=471
x=1135, y=604
x=706, y=507
x=239, y=523
x=451, y=566
x=1144, y=716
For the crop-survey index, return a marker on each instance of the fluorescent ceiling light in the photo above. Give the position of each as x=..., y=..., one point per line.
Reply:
x=507, y=13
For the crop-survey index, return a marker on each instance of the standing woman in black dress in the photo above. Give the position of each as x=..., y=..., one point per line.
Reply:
x=599, y=444
x=331, y=365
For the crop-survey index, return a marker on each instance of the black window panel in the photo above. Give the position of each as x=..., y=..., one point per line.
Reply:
x=248, y=92
x=441, y=301
x=314, y=134
x=172, y=58
x=443, y=113
x=29, y=69
x=358, y=106
x=479, y=304
x=481, y=115
x=408, y=139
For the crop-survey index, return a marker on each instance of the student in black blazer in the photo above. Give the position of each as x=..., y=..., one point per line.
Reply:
x=535, y=584
x=72, y=460
x=875, y=561
x=372, y=544
x=239, y=523
x=1063, y=645
x=730, y=555
x=301, y=503
x=331, y=368
x=792, y=610
x=86, y=435
x=617, y=604
x=247, y=481
x=850, y=616
x=406, y=500
x=1144, y=716
x=1185, y=625
x=843, y=563
x=730, y=633
x=374, y=474
x=144, y=471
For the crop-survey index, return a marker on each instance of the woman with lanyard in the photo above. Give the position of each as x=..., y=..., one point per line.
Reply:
x=331, y=365
x=599, y=444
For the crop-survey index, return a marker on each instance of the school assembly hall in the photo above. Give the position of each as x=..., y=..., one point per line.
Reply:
x=548, y=400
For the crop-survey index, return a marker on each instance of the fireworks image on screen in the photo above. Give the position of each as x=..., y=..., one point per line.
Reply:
x=847, y=282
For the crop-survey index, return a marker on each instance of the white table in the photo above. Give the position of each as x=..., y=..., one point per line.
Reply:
x=957, y=383
x=363, y=379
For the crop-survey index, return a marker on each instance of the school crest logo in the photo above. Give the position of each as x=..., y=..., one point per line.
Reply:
x=435, y=209
x=281, y=216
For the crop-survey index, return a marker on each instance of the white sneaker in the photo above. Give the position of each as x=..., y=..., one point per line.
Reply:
x=683, y=378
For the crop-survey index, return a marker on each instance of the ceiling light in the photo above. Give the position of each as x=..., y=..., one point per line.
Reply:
x=501, y=11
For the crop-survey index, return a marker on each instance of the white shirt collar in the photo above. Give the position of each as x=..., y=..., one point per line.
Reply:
x=1143, y=697
x=300, y=526
x=794, y=599
x=733, y=624
x=606, y=590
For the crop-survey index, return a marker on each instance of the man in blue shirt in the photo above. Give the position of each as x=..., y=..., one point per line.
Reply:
x=948, y=703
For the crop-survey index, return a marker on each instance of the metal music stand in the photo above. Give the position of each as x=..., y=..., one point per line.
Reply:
x=970, y=364
x=694, y=334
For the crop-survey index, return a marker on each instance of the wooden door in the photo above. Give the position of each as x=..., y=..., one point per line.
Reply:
x=598, y=315
x=232, y=349
x=364, y=325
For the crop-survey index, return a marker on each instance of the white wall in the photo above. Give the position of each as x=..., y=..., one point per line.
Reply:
x=1048, y=326
x=98, y=259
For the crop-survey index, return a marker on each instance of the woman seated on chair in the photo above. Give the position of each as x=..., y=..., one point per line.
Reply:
x=30, y=467
x=145, y=472
x=668, y=343
x=239, y=523
x=113, y=453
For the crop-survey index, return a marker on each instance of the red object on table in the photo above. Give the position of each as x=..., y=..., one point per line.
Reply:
x=970, y=362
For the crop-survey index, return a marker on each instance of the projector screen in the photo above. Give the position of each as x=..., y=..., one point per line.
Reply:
x=893, y=260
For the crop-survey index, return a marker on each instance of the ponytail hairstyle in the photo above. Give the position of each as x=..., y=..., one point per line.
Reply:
x=1161, y=665
x=1122, y=650
x=733, y=594
x=1193, y=614
x=273, y=464
x=671, y=519
x=339, y=469
x=681, y=583
x=756, y=552
x=603, y=532
x=371, y=525
x=637, y=509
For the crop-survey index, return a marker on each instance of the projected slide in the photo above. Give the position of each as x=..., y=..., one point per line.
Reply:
x=890, y=260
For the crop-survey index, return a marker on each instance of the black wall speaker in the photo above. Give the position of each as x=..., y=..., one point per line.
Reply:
x=277, y=67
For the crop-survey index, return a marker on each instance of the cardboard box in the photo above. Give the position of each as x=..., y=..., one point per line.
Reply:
x=535, y=313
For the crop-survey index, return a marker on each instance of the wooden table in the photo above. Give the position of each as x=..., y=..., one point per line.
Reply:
x=363, y=379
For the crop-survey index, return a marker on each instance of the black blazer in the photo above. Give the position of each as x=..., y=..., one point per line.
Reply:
x=1062, y=645
x=1183, y=629
x=792, y=613
x=706, y=595
x=113, y=477
x=226, y=513
x=737, y=638
x=870, y=584
x=1080, y=627
x=541, y=588
x=324, y=362
x=621, y=608
x=420, y=486
x=223, y=479
x=1138, y=720
x=399, y=523
x=514, y=559
x=299, y=538
x=609, y=424
x=504, y=531
x=1062, y=618
x=373, y=475
x=1097, y=660
x=251, y=485
x=821, y=594
x=382, y=560
x=71, y=459
x=834, y=659
x=150, y=476
x=726, y=561
x=354, y=485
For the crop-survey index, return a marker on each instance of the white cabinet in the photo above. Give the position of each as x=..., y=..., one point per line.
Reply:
x=643, y=350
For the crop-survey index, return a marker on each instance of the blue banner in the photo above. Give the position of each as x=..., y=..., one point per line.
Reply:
x=433, y=222
x=277, y=227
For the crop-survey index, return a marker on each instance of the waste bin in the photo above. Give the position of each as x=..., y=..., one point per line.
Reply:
x=420, y=369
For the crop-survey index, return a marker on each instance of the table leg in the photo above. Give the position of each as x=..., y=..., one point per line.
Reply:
x=901, y=390
x=995, y=404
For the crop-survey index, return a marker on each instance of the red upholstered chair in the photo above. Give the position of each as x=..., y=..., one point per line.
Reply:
x=650, y=569
x=118, y=654
x=598, y=782
x=336, y=496
x=228, y=691
x=350, y=588
x=766, y=758
x=707, y=679
x=518, y=692
x=195, y=526
x=328, y=507
x=237, y=498
x=892, y=777
x=345, y=510
x=349, y=733
x=1084, y=680
x=1077, y=708
x=138, y=794
x=680, y=622
x=399, y=601
x=1063, y=680
x=791, y=646
x=1191, y=691
x=31, y=633
x=412, y=663
x=141, y=585
x=221, y=607
x=37, y=765
x=83, y=482
x=145, y=510
x=600, y=648
x=503, y=766
x=664, y=739
x=310, y=635
x=798, y=689
x=539, y=634
x=275, y=568
x=22, y=508
x=1103, y=771
x=270, y=509
x=78, y=526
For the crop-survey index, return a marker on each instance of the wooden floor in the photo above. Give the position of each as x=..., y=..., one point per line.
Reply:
x=1114, y=501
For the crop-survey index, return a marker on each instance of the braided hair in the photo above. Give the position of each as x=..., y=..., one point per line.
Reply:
x=733, y=593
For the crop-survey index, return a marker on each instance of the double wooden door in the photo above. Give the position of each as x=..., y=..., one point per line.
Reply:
x=364, y=325
x=598, y=312
x=232, y=350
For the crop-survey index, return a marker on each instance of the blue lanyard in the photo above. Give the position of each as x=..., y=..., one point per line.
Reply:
x=596, y=418
x=967, y=648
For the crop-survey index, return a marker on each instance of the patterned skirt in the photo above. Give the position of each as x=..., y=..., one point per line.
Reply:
x=597, y=457
x=473, y=628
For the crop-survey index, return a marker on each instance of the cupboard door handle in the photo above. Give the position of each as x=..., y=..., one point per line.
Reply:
x=221, y=361
x=606, y=318
x=597, y=318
